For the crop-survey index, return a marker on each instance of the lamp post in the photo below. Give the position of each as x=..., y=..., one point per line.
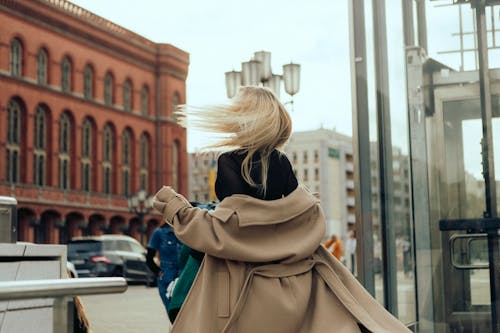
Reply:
x=140, y=205
x=258, y=72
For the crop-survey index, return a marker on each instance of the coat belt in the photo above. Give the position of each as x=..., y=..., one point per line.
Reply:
x=331, y=278
x=270, y=271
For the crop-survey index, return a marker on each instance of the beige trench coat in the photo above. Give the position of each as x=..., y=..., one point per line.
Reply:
x=265, y=270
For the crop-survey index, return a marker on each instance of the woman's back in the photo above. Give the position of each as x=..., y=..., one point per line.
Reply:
x=281, y=179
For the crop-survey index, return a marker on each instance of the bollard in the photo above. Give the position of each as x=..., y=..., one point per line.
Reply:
x=8, y=220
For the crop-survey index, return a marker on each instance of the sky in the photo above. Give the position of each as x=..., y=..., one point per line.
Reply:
x=220, y=35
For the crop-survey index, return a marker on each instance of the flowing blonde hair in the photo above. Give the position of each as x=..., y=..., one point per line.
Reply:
x=255, y=121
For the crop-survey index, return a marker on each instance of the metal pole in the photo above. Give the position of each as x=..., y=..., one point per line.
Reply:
x=361, y=145
x=408, y=24
x=422, y=24
x=17, y=290
x=424, y=275
x=385, y=157
x=488, y=161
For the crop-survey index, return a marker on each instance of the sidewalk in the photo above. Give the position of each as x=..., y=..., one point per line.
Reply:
x=139, y=309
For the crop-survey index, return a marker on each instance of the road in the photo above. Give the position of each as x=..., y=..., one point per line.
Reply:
x=139, y=309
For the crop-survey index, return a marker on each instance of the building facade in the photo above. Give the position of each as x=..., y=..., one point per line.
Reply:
x=86, y=120
x=322, y=160
x=202, y=174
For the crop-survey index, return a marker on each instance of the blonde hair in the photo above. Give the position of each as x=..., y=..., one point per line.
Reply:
x=255, y=121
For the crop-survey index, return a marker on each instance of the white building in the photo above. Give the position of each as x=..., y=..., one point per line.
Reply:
x=202, y=170
x=322, y=160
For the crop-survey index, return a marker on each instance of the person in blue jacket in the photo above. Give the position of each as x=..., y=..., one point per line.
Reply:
x=164, y=247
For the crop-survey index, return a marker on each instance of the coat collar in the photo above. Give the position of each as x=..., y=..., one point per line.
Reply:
x=252, y=211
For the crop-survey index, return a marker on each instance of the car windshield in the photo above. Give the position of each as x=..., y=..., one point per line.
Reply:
x=84, y=246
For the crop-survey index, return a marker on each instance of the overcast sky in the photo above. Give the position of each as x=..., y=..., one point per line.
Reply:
x=220, y=34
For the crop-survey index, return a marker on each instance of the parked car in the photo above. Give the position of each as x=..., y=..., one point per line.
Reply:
x=72, y=273
x=110, y=255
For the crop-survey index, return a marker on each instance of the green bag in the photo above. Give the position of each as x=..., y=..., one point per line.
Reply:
x=185, y=281
x=189, y=263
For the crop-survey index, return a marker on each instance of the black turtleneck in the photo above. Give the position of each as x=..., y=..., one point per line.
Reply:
x=281, y=179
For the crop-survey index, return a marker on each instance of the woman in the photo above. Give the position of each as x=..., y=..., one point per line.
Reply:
x=264, y=268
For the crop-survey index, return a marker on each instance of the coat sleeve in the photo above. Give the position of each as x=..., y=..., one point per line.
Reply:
x=198, y=228
x=218, y=232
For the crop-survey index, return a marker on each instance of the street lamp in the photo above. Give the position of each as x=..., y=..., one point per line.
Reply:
x=140, y=205
x=258, y=72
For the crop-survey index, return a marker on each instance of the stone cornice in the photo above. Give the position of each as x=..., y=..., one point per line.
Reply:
x=132, y=44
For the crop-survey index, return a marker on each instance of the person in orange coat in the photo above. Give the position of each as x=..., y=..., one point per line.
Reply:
x=334, y=245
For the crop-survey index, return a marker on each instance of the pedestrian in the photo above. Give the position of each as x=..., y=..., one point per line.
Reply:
x=161, y=258
x=334, y=245
x=407, y=261
x=350, y=251
x=189, y=262
x=264, y=268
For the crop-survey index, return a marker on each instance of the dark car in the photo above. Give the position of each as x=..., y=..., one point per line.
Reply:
x=109, y=255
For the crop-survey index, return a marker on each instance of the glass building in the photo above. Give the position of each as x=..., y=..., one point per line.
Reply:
x=426, y=129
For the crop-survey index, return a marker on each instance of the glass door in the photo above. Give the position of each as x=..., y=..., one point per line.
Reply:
x=458, y=238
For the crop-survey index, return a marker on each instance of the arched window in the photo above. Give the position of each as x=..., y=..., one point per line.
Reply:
x=126, y=158
x=66, y=69
x=127, y=96
x=108, y=89
x=175, y=165
x=16, y=57
x=145, y=100
x=176, y=99
x=40, y=146
x=88, y=82
x=64, y=151
x=86, y=155
x=41, y=66
x=13, y=140
x=144, y=155
x=107, y=159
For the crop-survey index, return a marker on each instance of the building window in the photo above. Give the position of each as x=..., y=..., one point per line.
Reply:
x=86, y=155
x=64, y=173
x=39, y=170
x=66, y=75
x=86, y=174
x=107, y=180
x=126, y=158
x=144, y=155
x=41, y=66
x=294, y=157
x=64, y=151
x=306, y=175
x=107, y=159
x=16, y=57
x=305, y=157
x=40, y=146
x=108, y=89
x=127, y=96
x=316, y=156
x=145, y=101
x=64, y=134
x=13, y=140
x=88, y=82
x=316, y=174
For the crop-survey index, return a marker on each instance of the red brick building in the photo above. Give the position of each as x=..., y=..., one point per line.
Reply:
x=86, y=120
